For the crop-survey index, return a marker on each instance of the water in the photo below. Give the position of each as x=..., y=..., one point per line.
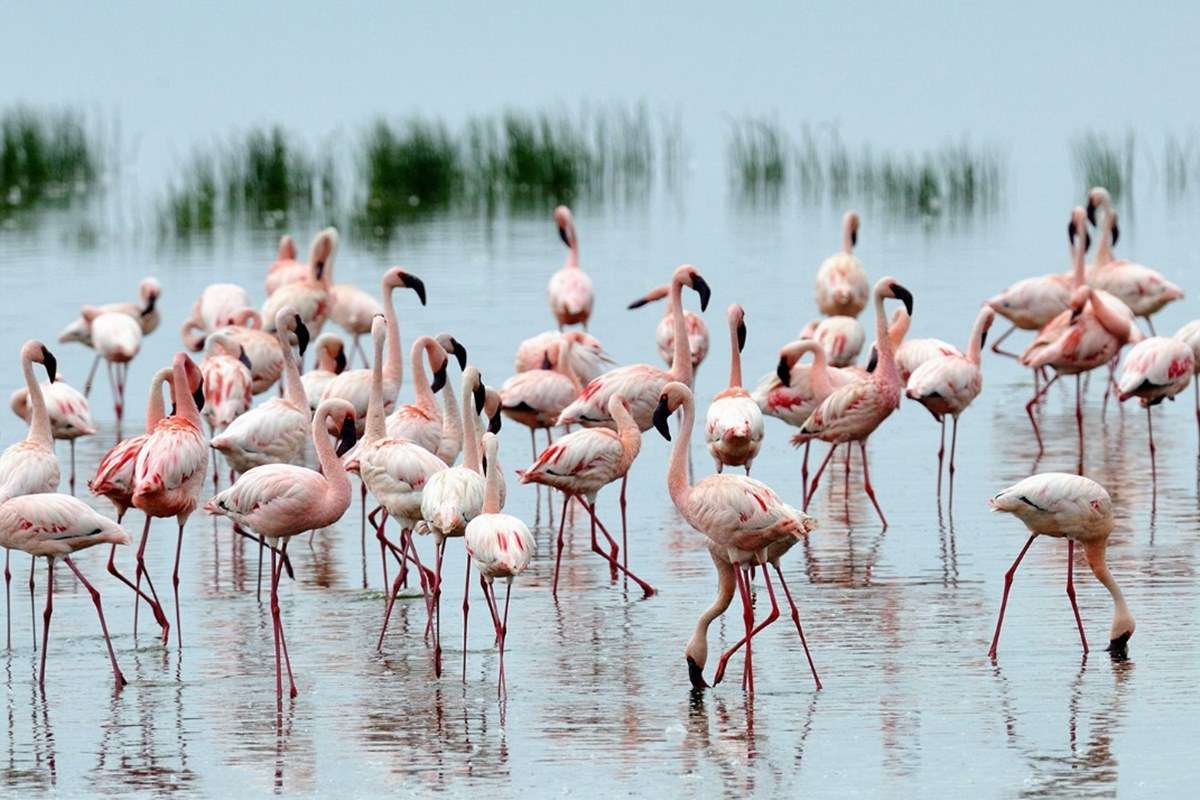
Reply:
x=899, y=621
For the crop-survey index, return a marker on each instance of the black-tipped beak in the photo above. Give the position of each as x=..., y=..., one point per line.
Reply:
x=149, y=309
x=416, y=284
x=198, y=396
x=741, y=336
x=459, y=351
x=1119, y=647
x=1116, y=234
x=320, y=269
x=873, y=362
x=546, y=361
x=904, y=296
x=439, y=378
x=661, y=412
x=302, y=335
x=784, y=373
x=696, y=675
x=1075, y=312
x=339, y=363
x=854, y=237
x=242, y=357
x=562, y=234
x=983, y=339
x=1091, y=211
x=480, y=395
x=50, y=363
x=348, y=437
x=1071, y=233
x=483, y=464
x=494, y=423
x=641, y=301
x=1087, y=241
x=702, y=288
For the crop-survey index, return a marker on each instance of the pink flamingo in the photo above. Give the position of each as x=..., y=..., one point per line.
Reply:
x=354, y=385
x=1144, y=290
x=215, y=306
x=1190, y=335
x=1157, y=369
x=54, y=526
x=842, y=338
x=949, y=383
x=588, y=358
x=29, y=466
x=570, y=289
x=742, y=517
x=170, y=468
x=911, y=354
x=664, y=333
x=421, y=422
x=352, y=310
x=311, y=296
x=853, y=412
x=287, y=270
x=279, y=501
x=536, y=397
x=70, y=416
x=226, y=373
x=842, y=288
x=641, y=384
x=733, y=426
x=331, y=362
x=1078, y=509
x=261, y=348
x=582, y=463
x=499, y=545
x=117, y=338
x=144, y=311
x=274, y=432
x=114, y=479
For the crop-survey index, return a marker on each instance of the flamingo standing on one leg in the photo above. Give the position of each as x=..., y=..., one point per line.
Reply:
x=842, y=288
x=949, y=383
x=1156, y=369
x=352, y=310
x=536, y=397
x=279, y=501
x=588, y=358
x=1078, y=509
x=70, y=416
x=144, y=311
x=170, y=469
x=55, y=526
x=853, y=412
x=664, y=332
x=500, y=546
x=733, y=426
x=331, y=362
x=742, y=517
x=117, y=338
x=29, y=466
x=310, y=296
x=569, y=292
x=582, y=463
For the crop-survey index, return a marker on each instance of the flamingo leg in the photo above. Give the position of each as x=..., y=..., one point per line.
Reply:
x=558, y=556
x=645, y=587
x=996, y=344
x=362, y=518
x=71, y=480
x=382, y=537
x=275, y=631
x=466, y=608
x=8, y=594
x=437, y=609
x=941, y=453
x=804, y=473
x=261, y=543
x=1071, y=591
x=953, y=448
x=862, y=446
x=812, y=490
x=1033, y=402
x=1150, y=324
x=32, y=605
x=141, y=570
x=771, y=617
x=424, y=575
x=46, y=619
x=1079, y=414
x=91, y=376
x=175, y=584
x=624, y=526
x=1153, y=465
x=279, y=619
x=1196, y=387
x=1008, y=579
x=748, y=618
x=796, y=619
x=159, y=616
x=112, y=656
x=503, y=632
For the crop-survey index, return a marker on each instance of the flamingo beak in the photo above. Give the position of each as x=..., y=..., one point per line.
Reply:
x=874, y=360
x=339, y=363
x=661, y=412
x=702, y=288
x=741, y=336
x=1071, y=230
x=483, y=464
x=1091, y=211
x=562, y=234
x=641, y=301
x=696, y=674
x=50, y=363
x=1116, y=234
x=785, y=374
x=348, y=437
x=480, y=395
x=494, y=423
x=439, y=378
x=198, y=396
x=546, y=361
x=416, y=284
x=1119, y=647
x=302, y=335
x=460, y=352
x=320, y=268
x=854, y=237
x=242, y=357
x=983, y=339
x=149, y=309
x=904, y=296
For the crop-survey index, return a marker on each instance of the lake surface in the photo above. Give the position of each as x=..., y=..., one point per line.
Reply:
x=899, y=621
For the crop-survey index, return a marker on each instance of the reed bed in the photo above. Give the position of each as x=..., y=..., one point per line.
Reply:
x=1104, y=160
x=45, y=156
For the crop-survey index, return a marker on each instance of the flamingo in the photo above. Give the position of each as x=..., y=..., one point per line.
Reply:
x=742, y=518
x=274, y=432
x=144, y=311
x=117, y=338
x=536, y=397
x=641, y=384
x=1078, y=509
x=421, y=421
x=1190, y=334
x=842, y=338
x=451, y=442
x=285, y=268
x=352, y=310
x=911, y=354
x=70, y=416
x=664, y=334
x=733, y=426
x=588, y=358
x=311, y=296
x=570, y=291
x=354, y=385
x=853, y=412
x=29, y=466
x=582, y=463
x=215, y=306
x=227, y=381
x=1157, y=369
x=279, y=501
x=1141, y=288
x=261, y=347
x=170, y=467
x=56, y=526
x=331, y=362
x=842, y=288
x=948, y=383
x=499, y=545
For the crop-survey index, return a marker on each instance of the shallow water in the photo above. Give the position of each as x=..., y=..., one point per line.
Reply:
x=899, y=621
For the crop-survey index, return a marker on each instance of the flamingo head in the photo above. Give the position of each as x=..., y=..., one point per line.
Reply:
x=674, y=394
x=687, y=275
x=331, y=350
x=1079, y=299
x=396, y=277
x=491, y=407
x=737, y=323
x=287, y=248
x=338, y=415
x=566, y=225
x=149, y=290
x=37, y=353
x=793, y=352
x=195, y=381
x=472, y=383
x=287, y=319
x=437, y=360
x=1077, y=232
x=320, y=258
x=453, y=347
x=850, y=229
x=1098, y=197
x=889, y=287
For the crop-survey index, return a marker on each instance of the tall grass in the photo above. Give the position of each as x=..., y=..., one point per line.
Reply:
x=44, y=156
x=1104, y=160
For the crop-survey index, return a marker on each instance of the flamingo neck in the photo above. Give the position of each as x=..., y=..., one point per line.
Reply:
x=422, y=392
x=376, y=427
x=39, y=419
x=293, y=387
x=697, y=646
x=573, y=249
x=1122, y=617
x=735, y=361
x=185, y=403
x=886, y=370
x=564, y=364
x=1118, y=325
x=452, y=422
x=331, y=465
x=818, y=374
x=975, y=346
x=491, y=496
x=468, y=420
x=393, y=368
x=155, y=409
x=1104, y=254
x=1077, y=258
x=847, y=239
x=677, y=477
x=681, y=360
x=628, y=433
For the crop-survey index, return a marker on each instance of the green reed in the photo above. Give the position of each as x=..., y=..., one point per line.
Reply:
x=45, y=156
x=1104, y=160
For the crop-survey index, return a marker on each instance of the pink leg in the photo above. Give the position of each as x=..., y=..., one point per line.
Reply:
x=804, y=473
x=466, y=607
x=287, y=661
x=646, y=588
x=1071, y=591
x=362, y=510
x=624, y=526
x=381, y=535
x=275, y=631
x=8, y=594
x=1029, y=410
x=1153, y=465
x=46, y=619
x=558, y=557
x=1079, y=415
x=748, y=618
x=112, y=656
x=862, y=446
x=996, y=345
x=503, y=632
x=796, y=619
x=159, y=616
x=953, y=448
x=175, y=584
x=771, y=617
x=437, y=610
x=141, y=570
x=1008, y=579
x=812, y=490
x=91, y=376
x=32, y=601
x=941, y=453
x=261, y=543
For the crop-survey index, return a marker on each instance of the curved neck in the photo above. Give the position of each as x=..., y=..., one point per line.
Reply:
x=818, y=374
x=1115, y=323
x=491, y=497
x=1104, y=249
x=39, y=419
x=735, y=360
x=421, y=389
x=1077, y=257
x=886, y=369
x=331, y=465
x=452, y=422
x=376, y=428
x=470, y=431
x=1122, y=618
x=573, y=248
x=975, y=346
x=185, y=403
x=293, y=387
x=681, y=360
x=677, y=473
x=564, y=363
x=155, y=410
x=697, y=647
x=393, y=369
x=629, y=434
